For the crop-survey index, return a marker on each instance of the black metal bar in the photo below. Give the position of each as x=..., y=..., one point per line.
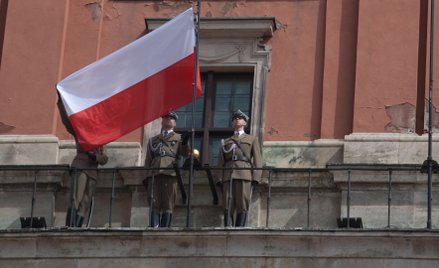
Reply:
x=348, y=200
x=90, y=212
x=369, y=167
x=252, y=190
x=389, y=198
x=430, y=118
x=180, y=183
x=270, y=172
x=308, y=200
x=151, y=198
x=229, y=220
x=211, y=184
x=35, y=167
x=92, y=204
x=194, y=93
x=74, y=182
x=112, y=197
x=33, y=199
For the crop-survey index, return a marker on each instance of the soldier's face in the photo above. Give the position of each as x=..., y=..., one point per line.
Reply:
x=168, y=122
x=238, y=122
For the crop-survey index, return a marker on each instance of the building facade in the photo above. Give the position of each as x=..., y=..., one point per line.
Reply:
x=324, y=82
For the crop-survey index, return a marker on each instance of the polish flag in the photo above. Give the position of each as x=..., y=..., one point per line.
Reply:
x=134, y=85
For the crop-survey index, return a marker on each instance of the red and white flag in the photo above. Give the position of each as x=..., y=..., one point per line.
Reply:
x=134, y=85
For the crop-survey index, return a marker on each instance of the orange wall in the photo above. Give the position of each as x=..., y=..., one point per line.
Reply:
x=336, y=64
x=30, y=63
x=339, y=68
x=386, y=60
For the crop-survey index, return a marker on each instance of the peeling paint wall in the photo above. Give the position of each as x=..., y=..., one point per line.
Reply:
x=95, y=10
x=402, y=118
x=4, y=128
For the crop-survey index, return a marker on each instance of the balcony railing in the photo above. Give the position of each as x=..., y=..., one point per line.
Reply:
x=343, y=175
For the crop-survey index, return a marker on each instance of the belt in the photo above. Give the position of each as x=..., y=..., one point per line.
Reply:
x=240, y=158
x=166, y=153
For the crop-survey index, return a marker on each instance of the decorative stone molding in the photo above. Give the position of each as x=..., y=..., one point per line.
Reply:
x=220, y=27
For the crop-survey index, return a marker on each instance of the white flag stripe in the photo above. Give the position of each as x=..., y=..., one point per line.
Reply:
x=129, y=65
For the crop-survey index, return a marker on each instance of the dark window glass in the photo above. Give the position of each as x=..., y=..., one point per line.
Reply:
x=223, y=93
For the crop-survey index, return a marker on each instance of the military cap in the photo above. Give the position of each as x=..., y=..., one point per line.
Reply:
x=239, y=113
x=172, y=115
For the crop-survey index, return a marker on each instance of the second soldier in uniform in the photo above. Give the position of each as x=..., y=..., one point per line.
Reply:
x=239, y=151
x=164, y=150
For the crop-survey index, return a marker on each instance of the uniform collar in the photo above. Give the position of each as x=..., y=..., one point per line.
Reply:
x=238, y=133
x=167, y=132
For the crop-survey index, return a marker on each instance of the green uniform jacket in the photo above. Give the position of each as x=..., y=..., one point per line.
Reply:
x=82, y=160
x=163, y=152
x=246, y=146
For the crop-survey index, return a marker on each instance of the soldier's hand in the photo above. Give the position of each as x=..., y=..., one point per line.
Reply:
x=91, y=156
x=185, y=138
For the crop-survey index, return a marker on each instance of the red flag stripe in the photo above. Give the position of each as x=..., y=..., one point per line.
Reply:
x=137, y=105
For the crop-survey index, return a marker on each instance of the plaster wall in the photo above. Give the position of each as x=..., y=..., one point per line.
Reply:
x=335, y=65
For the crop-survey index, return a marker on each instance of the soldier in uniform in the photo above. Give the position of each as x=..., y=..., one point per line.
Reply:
x=163, y=152
x=239, y=151
x=85, y=183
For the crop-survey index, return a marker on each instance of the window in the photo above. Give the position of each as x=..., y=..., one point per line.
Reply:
x=235, y=57
x=223, y=93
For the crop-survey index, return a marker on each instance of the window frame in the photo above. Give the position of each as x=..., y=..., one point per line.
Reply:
x=231, y=45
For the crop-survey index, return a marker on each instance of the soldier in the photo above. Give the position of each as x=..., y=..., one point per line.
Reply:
x=163, y=152
x=239, y=151
x=85, y=183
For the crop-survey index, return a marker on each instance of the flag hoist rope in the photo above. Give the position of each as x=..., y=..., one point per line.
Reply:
x=191, y=168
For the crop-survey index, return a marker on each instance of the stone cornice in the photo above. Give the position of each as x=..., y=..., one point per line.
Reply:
x=244, y=27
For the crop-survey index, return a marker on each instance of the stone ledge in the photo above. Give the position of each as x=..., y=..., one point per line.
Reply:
x=120, y=154
x=28, y=139
x=387, y=148
x=220, y=242
x=389, y=137
x=27, y=174
x=303, y=154
x=48, y=150
x=28, y=149
x=379, y=174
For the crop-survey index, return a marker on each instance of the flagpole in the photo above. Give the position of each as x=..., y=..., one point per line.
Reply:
x=191, y=168
x=430, y=117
